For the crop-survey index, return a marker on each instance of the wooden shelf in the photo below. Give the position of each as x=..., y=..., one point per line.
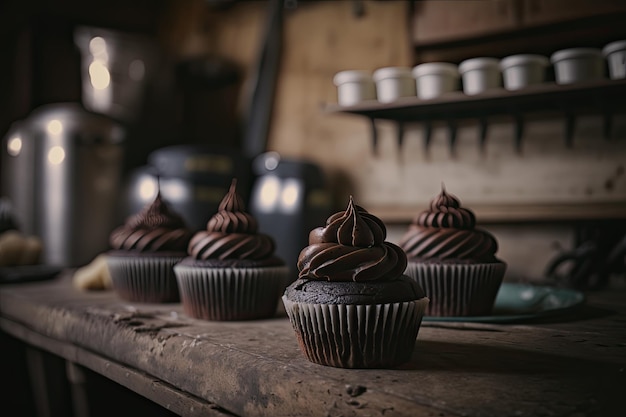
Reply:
x=596, y=95
x=600, y=97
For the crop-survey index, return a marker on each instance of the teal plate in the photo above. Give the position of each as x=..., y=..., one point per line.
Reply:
x=524, y=302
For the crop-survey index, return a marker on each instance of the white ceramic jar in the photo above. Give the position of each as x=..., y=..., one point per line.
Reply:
x=393, y=83
x=433, y=79
x=354, y=86
x=520, y=71
x=480, y=74
x=574, y=65
x=615, y=53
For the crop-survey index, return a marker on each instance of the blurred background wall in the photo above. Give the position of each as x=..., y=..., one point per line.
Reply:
x=541, y=197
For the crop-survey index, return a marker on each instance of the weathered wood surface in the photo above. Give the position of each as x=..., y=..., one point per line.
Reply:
x=575, y=367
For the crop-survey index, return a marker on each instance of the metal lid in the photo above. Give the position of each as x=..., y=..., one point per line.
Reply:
x=479, y=63
x=609, y=48
x=352, y=76
x=431, y=68
x=392, y=72
x=523, y=59
x=71, y=119
x=575, y=53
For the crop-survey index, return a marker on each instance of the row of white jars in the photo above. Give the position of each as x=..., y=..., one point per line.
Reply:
x=432, y=79
x=391, y=83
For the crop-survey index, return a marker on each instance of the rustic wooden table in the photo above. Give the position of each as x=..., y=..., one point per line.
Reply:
x=575, y=367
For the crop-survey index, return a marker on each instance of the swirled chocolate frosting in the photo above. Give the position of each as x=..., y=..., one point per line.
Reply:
x=446, y=231
x=155, y=229
x=351, y=247
x=231, y=234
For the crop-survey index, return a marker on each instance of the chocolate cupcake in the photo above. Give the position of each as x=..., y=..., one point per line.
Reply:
x=453, y=260
x=352, y=306
x=231, y=271
x=144, y=250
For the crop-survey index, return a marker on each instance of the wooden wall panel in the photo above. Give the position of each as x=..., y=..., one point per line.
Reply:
x=547, y=181
x=457, y=30
x=541, y=12
x=441, y=21
x=322, y=39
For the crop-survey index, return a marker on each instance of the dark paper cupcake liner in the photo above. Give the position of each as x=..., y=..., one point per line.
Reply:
x=357, y=336
x=143, y=278
x=458, y=290
x=221, y=294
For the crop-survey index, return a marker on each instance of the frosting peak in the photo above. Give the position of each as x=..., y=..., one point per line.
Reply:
x=156, y=228
x=231, y=233
x=351, y=247
x=446, y=211
x=232, y=201
x=447, y=231
x=155, y=215
x=231, y=216
x=353, y=227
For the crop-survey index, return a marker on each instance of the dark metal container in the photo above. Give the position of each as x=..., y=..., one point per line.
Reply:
x=62, y=168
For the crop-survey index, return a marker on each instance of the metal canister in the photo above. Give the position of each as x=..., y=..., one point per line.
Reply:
x=62, y=171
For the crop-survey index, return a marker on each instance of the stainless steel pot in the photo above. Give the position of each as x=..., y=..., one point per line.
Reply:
x=62, y=168
x=193, y=179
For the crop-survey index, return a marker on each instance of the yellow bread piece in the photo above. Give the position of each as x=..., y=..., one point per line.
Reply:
x=31, y=251
x=93, y=276
x=11, y=244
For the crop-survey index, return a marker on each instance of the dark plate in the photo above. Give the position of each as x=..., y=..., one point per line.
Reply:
x=28, y=273
x=524, y=302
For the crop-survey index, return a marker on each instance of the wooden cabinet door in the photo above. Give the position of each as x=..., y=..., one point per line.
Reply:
x=438, y=21
x=545, y=12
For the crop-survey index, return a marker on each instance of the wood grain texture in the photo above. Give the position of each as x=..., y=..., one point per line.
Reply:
x=441, y=21
x=541, y=12
x=322, y=38
x=255, y=368
x=399, y=180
